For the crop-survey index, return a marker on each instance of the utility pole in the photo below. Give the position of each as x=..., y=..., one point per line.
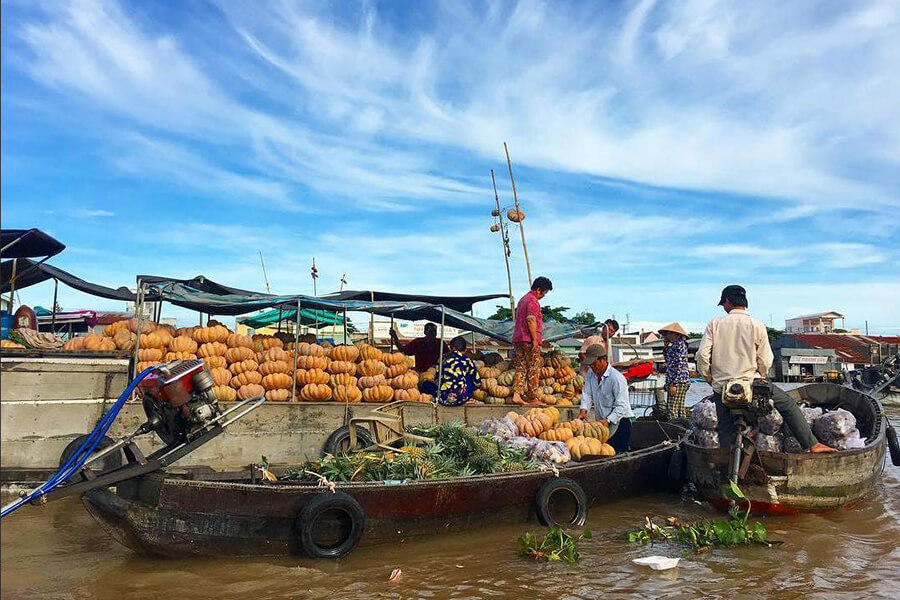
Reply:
x=521, y=222
x=265, y=276
x=504, y=242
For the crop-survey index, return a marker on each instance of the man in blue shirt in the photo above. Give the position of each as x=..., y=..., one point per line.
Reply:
x=606, y=390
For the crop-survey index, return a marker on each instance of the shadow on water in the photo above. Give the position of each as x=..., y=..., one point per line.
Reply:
x=58, y=552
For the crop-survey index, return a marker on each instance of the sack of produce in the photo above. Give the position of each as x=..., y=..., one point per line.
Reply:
x=521, y=442
x=552, y=452
x=770, y=443
x=851, y=441
x=811, y=414
x=792, y=445
x=703, y=416
x=706, y=438
x=770, y=423
x=834, y=426
x=502, y=429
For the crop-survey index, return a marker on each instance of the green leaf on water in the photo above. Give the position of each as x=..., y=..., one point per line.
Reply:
x=733, y=492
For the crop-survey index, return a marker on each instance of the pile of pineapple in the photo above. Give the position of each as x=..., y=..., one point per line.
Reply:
x=458, y=451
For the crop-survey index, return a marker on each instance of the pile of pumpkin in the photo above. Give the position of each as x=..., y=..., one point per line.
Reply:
x=584, y=439
x=560, y=383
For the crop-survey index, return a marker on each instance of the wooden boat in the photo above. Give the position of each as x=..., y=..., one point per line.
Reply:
x=159, y=514
x=783, y=483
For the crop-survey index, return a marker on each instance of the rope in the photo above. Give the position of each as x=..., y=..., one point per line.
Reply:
x=552, y=468
x=323, y=481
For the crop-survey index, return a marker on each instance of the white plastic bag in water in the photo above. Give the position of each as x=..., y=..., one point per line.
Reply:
x=703, y=416
x=834, y=426
x=771, y=422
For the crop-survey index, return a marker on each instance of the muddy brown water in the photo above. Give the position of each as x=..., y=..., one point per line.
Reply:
x=58, y=552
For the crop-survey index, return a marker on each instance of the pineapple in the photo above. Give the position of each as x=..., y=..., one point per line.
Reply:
x=414, y=451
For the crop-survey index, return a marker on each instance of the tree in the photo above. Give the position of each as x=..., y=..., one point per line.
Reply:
x=585, y=317
x=839, y=331
x=694, y=336
x=502, y=314
x=774, y=333
x=551, y=313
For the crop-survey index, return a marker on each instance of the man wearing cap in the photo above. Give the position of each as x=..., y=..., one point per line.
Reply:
x=736, y=346
x=606, y=390
x=678, y=375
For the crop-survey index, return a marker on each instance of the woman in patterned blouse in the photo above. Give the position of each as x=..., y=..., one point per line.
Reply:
x=678, y=376
x=459, y=375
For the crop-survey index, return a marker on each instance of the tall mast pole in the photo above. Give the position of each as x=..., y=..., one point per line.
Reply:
x=521, y=225
x=504, y=241
x=265, y=275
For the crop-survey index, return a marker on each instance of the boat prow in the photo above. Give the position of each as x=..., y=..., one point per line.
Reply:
x=782, y=483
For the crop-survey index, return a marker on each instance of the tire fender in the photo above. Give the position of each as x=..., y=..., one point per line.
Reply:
x=307, y=521
x=676, y=467
x=112, y=460
x=561, y=485
x=893, y=445
x=340, y=437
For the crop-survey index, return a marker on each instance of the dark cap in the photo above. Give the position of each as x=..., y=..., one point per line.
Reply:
x=735, y=294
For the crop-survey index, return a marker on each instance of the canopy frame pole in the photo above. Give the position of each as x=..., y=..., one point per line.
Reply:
x=280, y=313
x=440, y=366
x=345, y=323
x=504, y=242
x=139, y=309
x=472, y=312
x=296, y=355
x=521, y=222
x=53, y=314
x=372, y=323
x=12, y=283
x=389, y=335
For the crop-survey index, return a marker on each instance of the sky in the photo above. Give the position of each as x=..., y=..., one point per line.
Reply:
x=661, y=150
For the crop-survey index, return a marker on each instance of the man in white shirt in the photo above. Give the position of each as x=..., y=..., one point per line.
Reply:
x=736, y=346
x=606, y=390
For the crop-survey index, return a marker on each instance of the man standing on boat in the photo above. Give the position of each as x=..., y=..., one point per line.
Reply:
x=527, y=340
x=606, y=391
x=736, y=346
x=427, y=350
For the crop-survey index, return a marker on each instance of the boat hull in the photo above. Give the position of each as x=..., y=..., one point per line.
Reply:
x=781, y=483
x=164, y=516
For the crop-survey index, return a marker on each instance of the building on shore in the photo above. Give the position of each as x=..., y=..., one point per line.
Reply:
x=851, y=351
x=803, y=364
x=816, y=323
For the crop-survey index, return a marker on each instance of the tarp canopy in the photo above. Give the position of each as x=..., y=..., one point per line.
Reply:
x=459, y=303
x=308, y=317
x=43, y=272
x=24, y=243
x=236, y=304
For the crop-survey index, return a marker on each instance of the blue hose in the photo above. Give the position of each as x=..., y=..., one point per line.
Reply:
x=84, y=451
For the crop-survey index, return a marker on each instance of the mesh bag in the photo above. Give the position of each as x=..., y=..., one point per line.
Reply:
x=703, y=416
x=834, y=426
x=770, y=443
x=706, y=439
x=771, y=423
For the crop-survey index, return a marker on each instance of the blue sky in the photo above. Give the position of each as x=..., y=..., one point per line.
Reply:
x=661, y=149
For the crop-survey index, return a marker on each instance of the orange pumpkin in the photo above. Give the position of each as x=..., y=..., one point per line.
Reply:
x=149, y=354
x=220, y=376
x=246, y=378
x=107, y=345
x=207, y=335
x=236, y=340
x=344, y=352
x=212, y=349
x=370, y=367
x=312, y=376
x=273, y=354
x=343, y=379
x=426, y=398
x=146, y=325
x=253, y=390
x=315, y=392
x=224, y=393
x=261, y=343
x=306, y=361
x=274, y=366
x=146, y=364
x=170, y=356
x=394, y=358
x=342, y=366
x=113, y=328
x=407, y=395
x=91, y=342
x=347, y=393
x=396, y=370
x=279, y=395
x=374, y=380
x=243, y=366
x=277, y=381
x=74, y=345
x=379, y=393
x=407, y=381
x=307, y=349
x=183, y=343
x=367, y=352
x=215, y=362
x=239, y=353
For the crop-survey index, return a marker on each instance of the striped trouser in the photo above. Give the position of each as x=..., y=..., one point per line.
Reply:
x=675, y=402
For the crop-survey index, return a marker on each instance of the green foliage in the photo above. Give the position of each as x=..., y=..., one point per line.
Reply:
x=458, y=451
x=503, y=313
x=694, y=335
x=557, y=545
x=555, y=313
x=703, y=535
x=585, y=317
x=774, y=333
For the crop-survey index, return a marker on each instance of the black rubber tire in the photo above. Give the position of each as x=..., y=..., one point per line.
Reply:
x=893, y=446
x=110, y=461
x=339, y=440
x=676, y=468
x=305, y=524
x=561, y=485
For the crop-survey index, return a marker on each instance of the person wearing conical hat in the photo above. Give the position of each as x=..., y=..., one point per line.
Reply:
x=678, y=375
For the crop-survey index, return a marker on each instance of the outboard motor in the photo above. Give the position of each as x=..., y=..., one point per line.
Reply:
x=178, y=400
x=748, y=401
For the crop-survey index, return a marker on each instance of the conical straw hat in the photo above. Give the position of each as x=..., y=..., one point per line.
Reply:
x=674, y=328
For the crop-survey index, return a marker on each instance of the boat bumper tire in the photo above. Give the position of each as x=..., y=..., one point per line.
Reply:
x=893, y=446
x=339, y=440
x=113, y=460
x=561, y=502
x=330, y=525
x=676, y=472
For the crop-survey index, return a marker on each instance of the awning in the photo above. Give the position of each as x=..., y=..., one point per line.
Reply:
x=308, y=317
x=25, y=243
x=459, y=303
x=43, y=272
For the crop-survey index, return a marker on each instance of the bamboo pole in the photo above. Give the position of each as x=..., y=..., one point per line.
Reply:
x=521, y=223
x=139, y=315
x=12, y=284
x=53, y=314
x=372, y=323
x=345, y=323
x=296, y=356
x=504, y=242
x=440, y=366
